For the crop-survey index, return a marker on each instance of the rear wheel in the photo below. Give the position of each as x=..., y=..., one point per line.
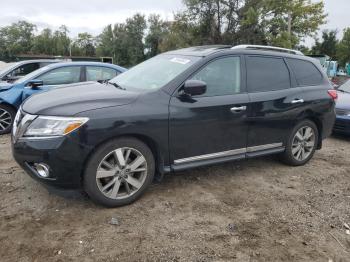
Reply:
x=301, y=144
x=7, y=116
x=119, y=172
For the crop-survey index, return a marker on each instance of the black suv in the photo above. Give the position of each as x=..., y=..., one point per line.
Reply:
x=182, y=109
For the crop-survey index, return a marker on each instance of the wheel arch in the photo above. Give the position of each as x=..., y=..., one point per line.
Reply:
x=9, y=105
x=151, y=143
x=309, y=115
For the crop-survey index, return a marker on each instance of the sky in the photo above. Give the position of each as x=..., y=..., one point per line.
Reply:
x=93, y=15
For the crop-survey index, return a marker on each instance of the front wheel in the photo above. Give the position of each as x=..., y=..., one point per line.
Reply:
x=119, y=172
x=7, y=116
x=301, y=144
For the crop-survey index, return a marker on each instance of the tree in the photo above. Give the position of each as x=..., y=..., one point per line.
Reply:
x=179, y=33
x=287, y=22
x=84, y=45
x=135, y=31
x=250, y=29
x=106, y=42
x=343, y=48
x=328, y=45
x=16, y=38
x=213, y=21
x=61, y=41
x=157, y=30
x=44, y=43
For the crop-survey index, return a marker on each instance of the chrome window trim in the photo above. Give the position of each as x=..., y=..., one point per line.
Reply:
x=228, y=153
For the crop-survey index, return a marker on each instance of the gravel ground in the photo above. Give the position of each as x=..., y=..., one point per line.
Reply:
x=254, y=210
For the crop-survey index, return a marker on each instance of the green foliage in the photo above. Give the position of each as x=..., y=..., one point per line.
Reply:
x=343, y=48
x=201, y=22
x=306, y=18
x=328, y=46
x=84, y=45
x=157, y=31
x=16, y=38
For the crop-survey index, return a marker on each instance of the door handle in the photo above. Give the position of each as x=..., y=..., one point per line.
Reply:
x=297, y=101
x=238, y=109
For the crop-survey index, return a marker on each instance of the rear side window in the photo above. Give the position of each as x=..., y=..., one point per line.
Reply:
x=97, y=73
x=267, y=74
x=305, y=72
x=25, y=69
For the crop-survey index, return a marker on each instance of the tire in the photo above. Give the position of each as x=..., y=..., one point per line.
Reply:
x=7, y=117
x=119, y=172
x=297, y=143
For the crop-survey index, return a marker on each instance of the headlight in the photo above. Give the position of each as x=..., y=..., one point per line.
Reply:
x=47, y=126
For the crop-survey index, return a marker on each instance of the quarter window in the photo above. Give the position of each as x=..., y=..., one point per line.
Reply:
x=305, y=72
x=222, y=76
x=97, y=73
x=62, y=76
x=267, y=74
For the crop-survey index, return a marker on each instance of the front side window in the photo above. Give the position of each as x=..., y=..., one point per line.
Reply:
x=222, y=76
x=62, y=76
x=98, y=73
x=155, y=73
x=305, y=72
x=267, y=74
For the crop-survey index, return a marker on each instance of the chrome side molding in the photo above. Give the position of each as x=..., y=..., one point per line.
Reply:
x=228, y=153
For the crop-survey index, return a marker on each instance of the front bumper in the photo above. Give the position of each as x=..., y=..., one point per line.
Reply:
x=342, y=125
x=64, y=156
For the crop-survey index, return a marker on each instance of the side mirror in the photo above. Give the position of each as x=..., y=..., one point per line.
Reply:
x=194, y=87
x=35, y=83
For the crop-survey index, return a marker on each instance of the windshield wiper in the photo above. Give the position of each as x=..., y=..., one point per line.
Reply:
x=116, y=85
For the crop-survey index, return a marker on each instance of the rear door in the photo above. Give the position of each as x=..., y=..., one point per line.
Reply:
x=276, y=103
x=212, y=126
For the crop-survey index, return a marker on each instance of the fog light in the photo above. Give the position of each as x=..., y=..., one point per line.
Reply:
x=42, y=169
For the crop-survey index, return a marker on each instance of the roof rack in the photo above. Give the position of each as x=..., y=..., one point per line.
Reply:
x=268, y=48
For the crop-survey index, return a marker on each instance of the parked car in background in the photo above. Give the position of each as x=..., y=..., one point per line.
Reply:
x=182, y=109
x=15, y=71
x=342, y=123
x=52, y=76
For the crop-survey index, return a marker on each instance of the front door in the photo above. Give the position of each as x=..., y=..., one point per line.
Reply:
x=213, y=126
x=55, y=78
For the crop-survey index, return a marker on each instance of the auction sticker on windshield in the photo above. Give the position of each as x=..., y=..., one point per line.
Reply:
x=180, y=60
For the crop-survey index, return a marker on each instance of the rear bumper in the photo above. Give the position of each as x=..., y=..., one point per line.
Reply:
x=64, y=157
x=342, y=125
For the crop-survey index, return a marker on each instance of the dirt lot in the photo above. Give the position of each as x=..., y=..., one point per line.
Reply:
x=256, y=210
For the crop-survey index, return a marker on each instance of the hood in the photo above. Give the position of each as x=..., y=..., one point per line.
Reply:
x=5, y=86
x=73, y=99
x=343, y=101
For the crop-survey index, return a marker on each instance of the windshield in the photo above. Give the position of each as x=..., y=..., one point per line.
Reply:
x=345, y=87
x=154, y=73
x=31, y=75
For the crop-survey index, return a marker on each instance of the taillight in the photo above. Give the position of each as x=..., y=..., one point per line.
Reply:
x=333, y=94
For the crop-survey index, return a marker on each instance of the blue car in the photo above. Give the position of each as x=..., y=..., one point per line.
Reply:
x=342, y=124
x=52, y=76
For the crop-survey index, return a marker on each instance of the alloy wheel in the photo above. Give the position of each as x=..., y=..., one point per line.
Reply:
x=5, y=119
x=121, y=173
x=303, y=143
